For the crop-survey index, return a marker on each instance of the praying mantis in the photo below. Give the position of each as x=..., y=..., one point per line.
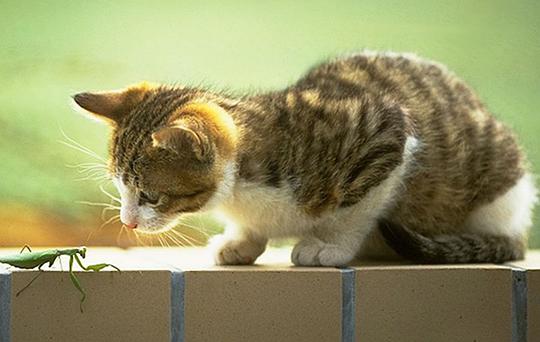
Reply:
x=32, y=260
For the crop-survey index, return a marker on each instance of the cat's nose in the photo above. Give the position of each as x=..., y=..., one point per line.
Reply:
x=131, y=225
x=129, y=216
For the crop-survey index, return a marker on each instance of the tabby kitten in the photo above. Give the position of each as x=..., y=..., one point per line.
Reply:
x=363, y=153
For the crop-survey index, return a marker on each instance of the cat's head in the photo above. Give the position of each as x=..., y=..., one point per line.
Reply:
x=172, y=151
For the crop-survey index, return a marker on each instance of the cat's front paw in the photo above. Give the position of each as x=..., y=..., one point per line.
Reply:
x=315, y=252
x=229, y=251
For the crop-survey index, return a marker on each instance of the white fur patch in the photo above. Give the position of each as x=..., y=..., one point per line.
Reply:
x=510, y=214
x=224, y=189
x=129, y=211
x=267, y=211
x=273, y=212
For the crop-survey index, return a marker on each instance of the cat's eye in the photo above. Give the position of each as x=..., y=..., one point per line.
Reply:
x=191, y=194
x=196, y=193
x=148, y=198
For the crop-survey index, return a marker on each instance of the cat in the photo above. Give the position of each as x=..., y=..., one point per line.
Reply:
x=382, y=155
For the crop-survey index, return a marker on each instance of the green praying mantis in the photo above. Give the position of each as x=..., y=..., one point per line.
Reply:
x=32, y=260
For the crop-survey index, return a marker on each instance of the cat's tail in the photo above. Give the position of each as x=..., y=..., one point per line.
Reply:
x=448, y=249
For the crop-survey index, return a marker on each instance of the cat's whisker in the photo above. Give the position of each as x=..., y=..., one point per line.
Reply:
x=150, y=241
x=166, y=241
x=160, y=241
x=136, y=237
x=106, y=208
x=112, y=219
x=174, y=239
x=91, y=154
x=119, y=235
x=139, y=240
x=153, y=241
x=111, y=196
x=87, y=168
x=168, y=238
x=98, y=204
x=79, y=147
x=92, y=171
x=165, y=238
x=194, y=241
x=92, y=177
x=94, y=174
x=130, y=235
x=105, y=211
x=178, y=242
x=87, y=165
x=155, y=238
x=123, y=229
x=189, y=240
x=199, y=229
x=204, y=228
x=90, y=235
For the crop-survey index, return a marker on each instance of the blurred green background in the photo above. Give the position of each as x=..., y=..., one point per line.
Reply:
x=52, y=49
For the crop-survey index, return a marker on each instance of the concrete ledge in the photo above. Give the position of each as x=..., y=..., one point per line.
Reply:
x=528, y=295
x=434, y=303
x=178, y=295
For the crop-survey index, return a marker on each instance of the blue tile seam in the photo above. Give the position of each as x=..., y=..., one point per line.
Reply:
x=347, y=305
x=519, y=304
x=177, y=306
x=5, y=305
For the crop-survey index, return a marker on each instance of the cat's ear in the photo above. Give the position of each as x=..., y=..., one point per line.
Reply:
x=182, y=138
x=112, y=106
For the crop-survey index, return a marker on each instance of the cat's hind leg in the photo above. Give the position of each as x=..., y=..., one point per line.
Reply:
x=510, y=214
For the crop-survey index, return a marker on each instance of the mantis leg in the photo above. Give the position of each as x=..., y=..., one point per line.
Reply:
x=26, y=247
x=30, y=283
x=78, y=262
x=61, y=266
x=96, y=267
x=99, y=267
x=75, y=280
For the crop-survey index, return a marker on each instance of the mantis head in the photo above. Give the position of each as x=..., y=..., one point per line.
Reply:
x=82, y=252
